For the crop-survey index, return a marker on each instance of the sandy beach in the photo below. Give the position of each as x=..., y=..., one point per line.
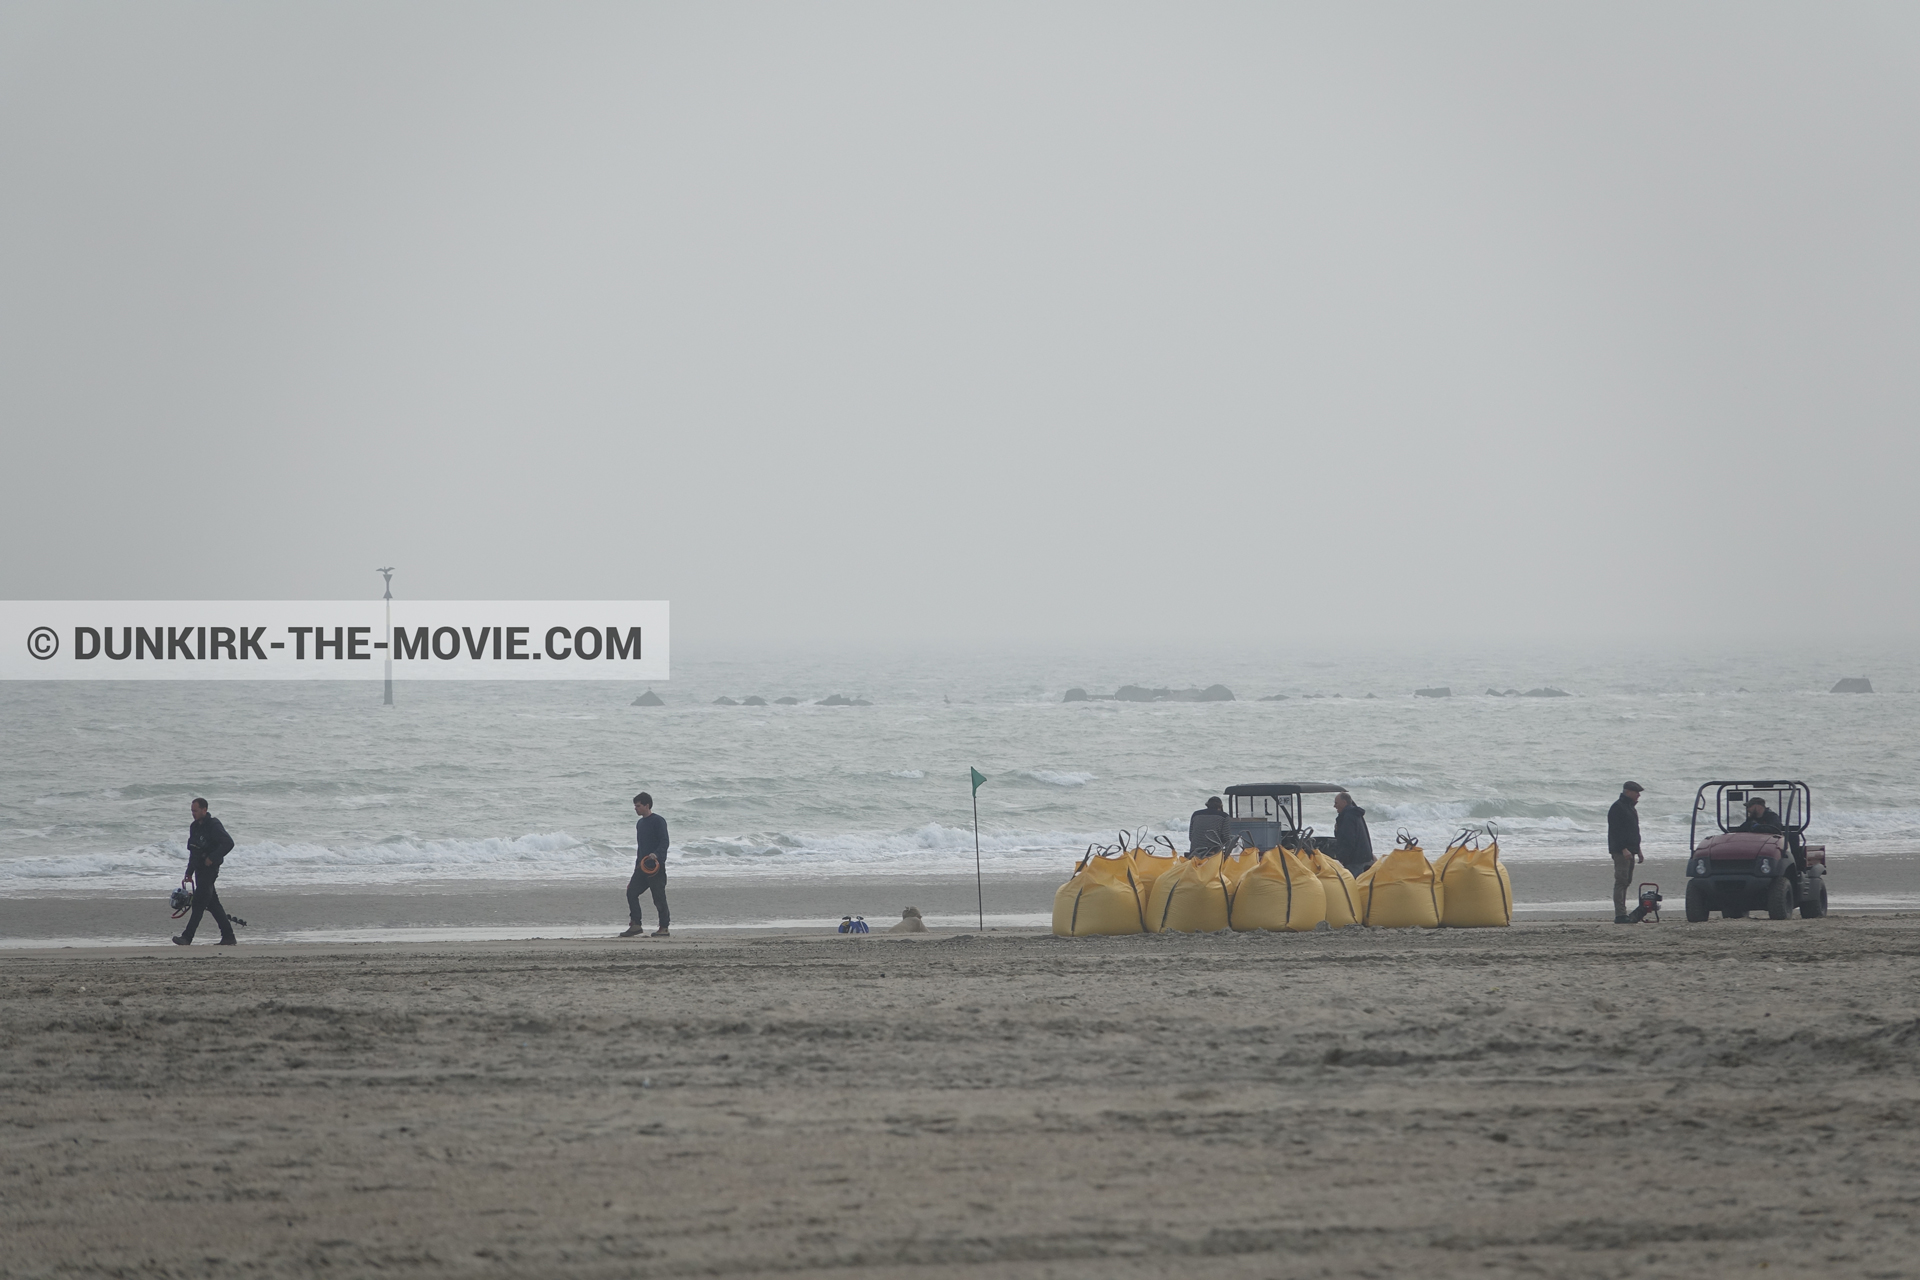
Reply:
x=1561, y=1099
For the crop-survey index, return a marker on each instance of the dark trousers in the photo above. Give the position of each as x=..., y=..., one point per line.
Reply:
x=205, y=899
x=1623, y=865
x=641, y=883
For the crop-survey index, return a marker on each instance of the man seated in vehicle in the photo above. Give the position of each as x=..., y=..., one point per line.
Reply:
x=1762, y=819
x=1767, y=822
x=1207, y=830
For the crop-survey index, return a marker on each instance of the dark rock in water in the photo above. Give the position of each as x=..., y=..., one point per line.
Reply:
x=1494, y=693
x=725, y=702
x=1438, y=691
x=1373, y=695
x=1136, y=693
x=840, y=700
x=1548, y=692
x=1853, y=684
x=755, y=701
x=859, y=702
x=1273, y=697
x=1076, y=695
x=648, y=699
x=786, y=702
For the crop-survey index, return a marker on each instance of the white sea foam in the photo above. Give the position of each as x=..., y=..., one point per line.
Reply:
x=271, y=865
x=459, y=784
x=1055, y=778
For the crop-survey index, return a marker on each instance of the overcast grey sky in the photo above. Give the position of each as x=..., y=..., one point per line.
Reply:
x=1015, y=321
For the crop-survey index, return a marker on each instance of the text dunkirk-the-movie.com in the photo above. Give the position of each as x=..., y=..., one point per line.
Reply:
x=333, y=639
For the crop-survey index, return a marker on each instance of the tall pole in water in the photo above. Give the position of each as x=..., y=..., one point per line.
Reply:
x=387, y=573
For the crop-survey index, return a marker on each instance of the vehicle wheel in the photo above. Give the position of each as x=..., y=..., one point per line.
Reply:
x=1816, y=906
x=1781, y=899
x=1696, y=902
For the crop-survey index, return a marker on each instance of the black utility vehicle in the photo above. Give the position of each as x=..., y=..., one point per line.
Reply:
x=1756, y=859
x=1267, y=815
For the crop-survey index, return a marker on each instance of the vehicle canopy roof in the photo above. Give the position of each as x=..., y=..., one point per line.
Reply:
x=1282, y=788
x=1725, y=800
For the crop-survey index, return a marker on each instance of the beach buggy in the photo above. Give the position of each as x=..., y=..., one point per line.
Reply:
x=1754, y=858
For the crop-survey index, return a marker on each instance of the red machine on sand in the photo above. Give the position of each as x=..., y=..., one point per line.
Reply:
x=1759, y=857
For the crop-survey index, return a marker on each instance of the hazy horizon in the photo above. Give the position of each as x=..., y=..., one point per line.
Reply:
x=864, y=325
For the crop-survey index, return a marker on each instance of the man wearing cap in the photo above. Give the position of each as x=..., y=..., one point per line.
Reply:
x=1764, y=820
x=1761, y=819
x=1207, y=830
x=1623, y=843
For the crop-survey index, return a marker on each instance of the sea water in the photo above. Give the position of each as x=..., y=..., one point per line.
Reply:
x=324, y=788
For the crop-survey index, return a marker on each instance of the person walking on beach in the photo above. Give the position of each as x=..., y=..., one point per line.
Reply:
x=1207, y=830
x=649, y=868
x=208, y=845
x=1623, y=842
x=1352, y=842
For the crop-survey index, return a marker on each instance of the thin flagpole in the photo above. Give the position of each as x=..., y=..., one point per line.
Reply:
x=979, y=892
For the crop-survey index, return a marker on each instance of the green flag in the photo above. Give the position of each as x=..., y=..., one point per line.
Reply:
x=978, y=778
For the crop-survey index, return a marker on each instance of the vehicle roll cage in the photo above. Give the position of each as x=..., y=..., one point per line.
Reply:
x=1792, y=801
x=1267, y=814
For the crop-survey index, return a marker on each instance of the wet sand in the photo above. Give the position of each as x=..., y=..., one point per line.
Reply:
x=576, y=908
x=1557, y=1099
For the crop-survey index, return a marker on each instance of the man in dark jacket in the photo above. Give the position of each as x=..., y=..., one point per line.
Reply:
x=1762, y=819
x=1623, y=844
x=208, y=845
x=1352, y=842
x=649, y=868
x=1207, y=830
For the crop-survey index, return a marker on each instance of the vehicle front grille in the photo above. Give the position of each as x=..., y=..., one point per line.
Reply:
x=1731, y=867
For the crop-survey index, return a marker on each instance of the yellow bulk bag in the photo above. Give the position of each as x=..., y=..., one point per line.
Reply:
x=1149, y=865
x=1099, y=899
x=1236, y=865
x=1191, y=898
x=1475, y=891
x=1279, y=892
x=1342, y=897
x=1400, y=891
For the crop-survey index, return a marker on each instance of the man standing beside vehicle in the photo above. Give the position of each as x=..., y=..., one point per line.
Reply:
x=1207, y=830
x=1623, y=842
x=649, y=868
x=1352, y=842
x=208, y=845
